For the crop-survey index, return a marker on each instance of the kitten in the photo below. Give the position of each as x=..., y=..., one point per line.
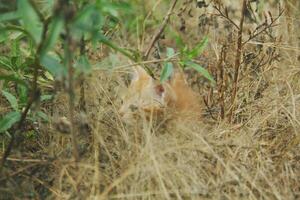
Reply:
x=146, y=97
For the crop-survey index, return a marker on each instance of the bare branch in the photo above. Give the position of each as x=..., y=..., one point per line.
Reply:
x=160, y=30
x=237, y=60
x=266, y=27
x=225, y=16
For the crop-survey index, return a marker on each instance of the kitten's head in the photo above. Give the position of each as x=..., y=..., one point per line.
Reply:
x=144, y=97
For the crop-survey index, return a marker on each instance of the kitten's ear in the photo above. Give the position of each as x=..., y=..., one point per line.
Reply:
x=159, y=89
x=138, y=73
x=177, y=77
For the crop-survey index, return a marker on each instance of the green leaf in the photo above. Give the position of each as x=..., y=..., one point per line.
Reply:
x=13, y=78
x=53, y=66
x=101, y=38
x=9, y=16
x=43, y=116
x=47, y=6
x=30, y=134
x=168, y=66
x=201, y=70
x=3, y=36
x=5, y=63
x=15, y=51
x=11, y=99
x=84, y=15
x=198, y=49
x=179, y=42
x=55, y=29
x=87, y=23
x=170, y=52
x=30, y=20
x=8, y=120
x=46, y=97
x=166, y=72
x=23, y=95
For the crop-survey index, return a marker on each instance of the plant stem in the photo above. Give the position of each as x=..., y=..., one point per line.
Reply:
x=68, y=62
x=237, y=61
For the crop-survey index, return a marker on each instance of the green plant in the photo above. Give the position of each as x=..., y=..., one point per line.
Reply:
x=34, y=33
x=185, y=57
x=16, y=104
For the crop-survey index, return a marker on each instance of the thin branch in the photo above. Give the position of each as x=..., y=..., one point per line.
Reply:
x=209, y=109
x=221, y=81
x=272, y=24
x=225, y=16
x=82, y=103
x=16, y=172
x=68, y=60
x=171, y=58
x=115, y=47
x=237, y=60
x=160, y=30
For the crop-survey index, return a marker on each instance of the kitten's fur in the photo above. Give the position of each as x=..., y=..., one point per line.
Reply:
x=145, y=97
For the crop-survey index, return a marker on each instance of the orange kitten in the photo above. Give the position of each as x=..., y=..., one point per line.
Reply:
x=146, y=97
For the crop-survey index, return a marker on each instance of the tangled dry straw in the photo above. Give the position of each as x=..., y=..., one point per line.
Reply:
x=256, y=157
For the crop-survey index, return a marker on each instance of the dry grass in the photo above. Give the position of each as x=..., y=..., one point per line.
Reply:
x=257, y=157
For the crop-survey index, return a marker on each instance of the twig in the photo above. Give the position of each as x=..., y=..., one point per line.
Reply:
x=225, y=16
x=171, y=58
x=71, y=93
x=272, y=24
x=82, y=104
x=145, y=20
x=117, y=48
x=32, y=160
x=282, y=47
x=58, y=193
x=221, y=81
x=237, y=60
x=16, y=172
x=160, y=30
x=209, y=109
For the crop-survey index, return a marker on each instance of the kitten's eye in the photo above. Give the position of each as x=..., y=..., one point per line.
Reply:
x=133, y=108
